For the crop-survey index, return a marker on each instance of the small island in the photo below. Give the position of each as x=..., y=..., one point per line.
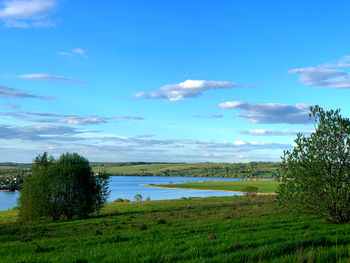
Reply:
x=261, y=186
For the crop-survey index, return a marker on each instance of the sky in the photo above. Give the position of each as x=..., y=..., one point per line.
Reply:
x=168, y=81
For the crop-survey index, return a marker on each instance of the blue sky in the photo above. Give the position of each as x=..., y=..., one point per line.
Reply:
x=194, y=81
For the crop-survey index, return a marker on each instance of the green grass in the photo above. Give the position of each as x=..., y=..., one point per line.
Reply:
x=247, y=229
x=267, y=186
x=143, y=168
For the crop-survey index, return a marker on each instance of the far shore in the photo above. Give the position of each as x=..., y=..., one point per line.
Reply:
x=158, y=186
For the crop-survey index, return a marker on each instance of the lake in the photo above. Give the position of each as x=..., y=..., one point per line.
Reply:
x=128, y=186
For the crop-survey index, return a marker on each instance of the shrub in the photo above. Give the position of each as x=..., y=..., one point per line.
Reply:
x=65, y=187
x=315, y=175
x=148, y=199
x=118, y=200
x=143, y=227
x=212, y=237
x=161, y=221
x=250, y=191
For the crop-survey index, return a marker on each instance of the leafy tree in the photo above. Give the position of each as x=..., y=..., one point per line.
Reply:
x=65, y=187
x=138, y=197
x=315, y=175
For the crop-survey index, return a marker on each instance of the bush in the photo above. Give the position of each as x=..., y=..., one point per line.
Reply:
x=250, y=191
x=138, y=197
x=118, y=200
x=143, y=227
x=315, y=175
x=65, y=187
x=148, y=199
x=161, y=221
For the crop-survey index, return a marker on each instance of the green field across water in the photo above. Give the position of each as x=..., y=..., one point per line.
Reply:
x=228, y=170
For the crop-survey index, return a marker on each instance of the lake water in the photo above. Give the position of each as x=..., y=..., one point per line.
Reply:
x=128, y=186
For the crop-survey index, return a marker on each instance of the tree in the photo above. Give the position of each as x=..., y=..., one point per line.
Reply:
x=315, y=175
x=138, y=197
x=65, y=187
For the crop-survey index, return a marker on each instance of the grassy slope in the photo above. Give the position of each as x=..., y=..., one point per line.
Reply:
x=138, y=168
x=247, y=229
x=263, y=186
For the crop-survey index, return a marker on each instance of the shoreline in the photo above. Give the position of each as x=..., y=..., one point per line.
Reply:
x=258, y=193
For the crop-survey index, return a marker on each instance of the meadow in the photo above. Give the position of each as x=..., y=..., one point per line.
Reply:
x=263, y=186
x=216, y=229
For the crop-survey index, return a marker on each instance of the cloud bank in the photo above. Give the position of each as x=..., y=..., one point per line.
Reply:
x=187, y=89
x=270, y=112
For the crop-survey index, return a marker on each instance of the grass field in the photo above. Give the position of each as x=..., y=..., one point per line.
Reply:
x=143, y=168
x=216, y=229
x=263, y=186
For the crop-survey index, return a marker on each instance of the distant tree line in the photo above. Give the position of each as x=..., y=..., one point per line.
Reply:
x=237, y=170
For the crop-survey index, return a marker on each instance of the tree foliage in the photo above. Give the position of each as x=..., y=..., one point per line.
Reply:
x=315, y=175
x=65, y=187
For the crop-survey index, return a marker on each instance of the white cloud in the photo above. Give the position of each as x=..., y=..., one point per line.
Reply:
x=231, y=104
x=27, y=13
x=327, y=75
x=187, y=89
x=264, y=132
x=270, y=112
x=44, y=76
x=75, y=51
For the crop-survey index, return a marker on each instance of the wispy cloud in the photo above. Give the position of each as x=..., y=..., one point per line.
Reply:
x=27, y=13
x=209, y=116
x=42, y=117
x=129, y=118
x=50, y=77
x=75, y=51
x=187, y=89
x=11, y=105
x=264, y=132
x=327, y=75
x=6, y=92
x=344, y=62
x=37, y=132
x=270, y=112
